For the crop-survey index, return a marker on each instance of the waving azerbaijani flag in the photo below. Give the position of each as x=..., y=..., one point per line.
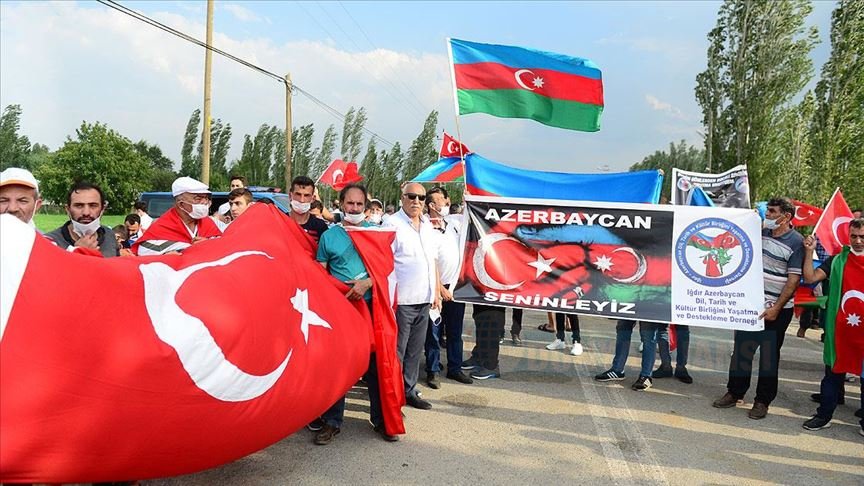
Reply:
x=516, y=82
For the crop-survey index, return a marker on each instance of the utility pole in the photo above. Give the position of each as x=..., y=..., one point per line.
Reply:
x=287, y=132
x=208, y=67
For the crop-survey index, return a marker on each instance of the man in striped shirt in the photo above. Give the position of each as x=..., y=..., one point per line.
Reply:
x=782, y=258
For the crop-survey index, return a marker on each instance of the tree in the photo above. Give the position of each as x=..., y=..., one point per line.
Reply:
x=371, y=170
x=392, y=164
x=323, y=155
x=162, y=168
x=422, y=151
x=302, y=154
x=256, y=158
x=101, y=156
x=189, y=164
x=14, y=148
x=837, y=129
x=39, y=155
x=680, y=156
x=352, y=134
x=758, y=61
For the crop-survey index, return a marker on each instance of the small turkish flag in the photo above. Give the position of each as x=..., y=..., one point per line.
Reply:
x=805, y=214
x=832, y=229
x=340, y=173
x=452, y=148
x=139, y=367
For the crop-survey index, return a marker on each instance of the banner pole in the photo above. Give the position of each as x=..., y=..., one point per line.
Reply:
x=456, y=114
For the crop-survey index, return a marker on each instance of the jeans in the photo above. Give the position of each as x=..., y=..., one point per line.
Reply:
x=452, y=320
x=623, y=331
x=516, y=326
x=412, y=321
x=768, y=342
x=490, y=325
x=335, y=415
x=683, y=335
x=560, y=328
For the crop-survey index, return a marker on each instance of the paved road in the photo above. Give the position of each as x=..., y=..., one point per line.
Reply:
x=546, y=421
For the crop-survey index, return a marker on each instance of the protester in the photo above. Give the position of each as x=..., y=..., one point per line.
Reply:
x=222, y=216
x=317, y=210
x=782, y=257
x=489, y=323
x=560, y=331
x=388, y=212
x=337, y=253
x=374, y=212
x=132, y=223
x=85, y=204
x=19, y=194
x=415, y=251
x=302, y=194
x=121, y=235
x=236, y=182
x=833, y=383
x=182, y=226
x=623, y=333
x=516, y=327
x=141, y=211
x=239, y=201
x=665, y=370
x=452, y=313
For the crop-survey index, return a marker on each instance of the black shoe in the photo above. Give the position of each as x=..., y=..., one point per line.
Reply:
x=817, y=397
x=662, y=372
x=817, y=423
x=417, y=402
x=460, y=377
x=432, y=381
x=326, y=435
x=859, y=413
x=315, y=425
x=380, y=430
x=642, y=383
x=470, y=364
x=683, y=376
x=609, y=375
x=485, y=374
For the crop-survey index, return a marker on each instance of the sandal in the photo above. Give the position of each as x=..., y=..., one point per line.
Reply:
x=544, y=328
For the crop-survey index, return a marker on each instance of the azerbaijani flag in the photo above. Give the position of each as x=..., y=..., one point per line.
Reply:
x=844, y=331
x=448, y=168
x=516, y=82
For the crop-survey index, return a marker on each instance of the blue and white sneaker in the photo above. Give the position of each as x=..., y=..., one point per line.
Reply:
x=484, y=374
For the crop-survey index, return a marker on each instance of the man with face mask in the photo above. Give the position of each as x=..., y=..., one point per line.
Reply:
x=782, y=260
x=85, y=204
x=19, y=194
x=185, y=224
x=302, y=194
x=374, y=212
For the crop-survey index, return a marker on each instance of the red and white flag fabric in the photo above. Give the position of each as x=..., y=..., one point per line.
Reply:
x=340, y=173
x=375, y=248
x=832, y=229
x=451, y=147
x=141, y=367
x=805, y=214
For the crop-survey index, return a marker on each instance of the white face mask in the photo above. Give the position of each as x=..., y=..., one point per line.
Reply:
x=856, y=253
x=770, y=224
x=354, y=218
x=375, y=218
x=299, y=207
x=199, y=211
x=86, y=229
x=444, y=210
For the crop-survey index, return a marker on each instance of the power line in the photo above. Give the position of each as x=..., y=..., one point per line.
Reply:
x=147, y=20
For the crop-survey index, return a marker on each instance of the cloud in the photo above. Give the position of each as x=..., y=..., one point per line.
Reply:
x=663, y=106
x=242, y=13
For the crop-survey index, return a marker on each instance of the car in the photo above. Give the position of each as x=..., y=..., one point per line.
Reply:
x=159, y=202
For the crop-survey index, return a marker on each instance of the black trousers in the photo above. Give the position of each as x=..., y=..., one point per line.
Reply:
x=768, y=342
x=490, y=325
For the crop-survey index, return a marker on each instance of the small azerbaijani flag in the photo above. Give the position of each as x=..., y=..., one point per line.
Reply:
x=449, y=167
x=515, y=82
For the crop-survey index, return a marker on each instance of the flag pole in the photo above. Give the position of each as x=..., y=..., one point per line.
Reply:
x=824, y=210
x=456, y=113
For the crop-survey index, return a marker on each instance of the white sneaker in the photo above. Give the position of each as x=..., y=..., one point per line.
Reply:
x=577, y=349
x=556, y=345
x=641, y=347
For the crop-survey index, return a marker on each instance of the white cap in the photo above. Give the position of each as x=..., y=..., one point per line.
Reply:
x=18, y=177
x=187, y=184
x=225, y=208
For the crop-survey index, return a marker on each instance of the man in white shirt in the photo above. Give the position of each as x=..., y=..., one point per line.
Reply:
x=415, y=251
x=141, y=211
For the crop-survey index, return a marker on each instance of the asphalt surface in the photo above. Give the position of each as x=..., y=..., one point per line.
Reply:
x=546, y=421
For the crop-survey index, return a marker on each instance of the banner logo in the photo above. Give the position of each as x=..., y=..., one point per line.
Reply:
x=713, y=252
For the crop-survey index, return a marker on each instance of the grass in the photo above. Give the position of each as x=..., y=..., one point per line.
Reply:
x=50, y=222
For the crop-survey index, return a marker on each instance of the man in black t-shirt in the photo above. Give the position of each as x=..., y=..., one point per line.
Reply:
x=302, y=194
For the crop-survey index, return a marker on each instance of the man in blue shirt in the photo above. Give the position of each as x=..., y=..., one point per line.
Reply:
x=337, y=253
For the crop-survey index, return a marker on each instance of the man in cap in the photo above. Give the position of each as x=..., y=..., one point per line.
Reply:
x=85, y=204
x=182, y=226
x=19, y=194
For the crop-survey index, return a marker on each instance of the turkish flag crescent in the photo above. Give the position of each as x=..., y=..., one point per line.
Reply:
x=832, y=229
x=451, y=147
x=805, y=214
x=141, y=367
x=340, y=173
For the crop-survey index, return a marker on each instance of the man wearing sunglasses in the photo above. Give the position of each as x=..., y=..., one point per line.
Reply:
x=415, y=251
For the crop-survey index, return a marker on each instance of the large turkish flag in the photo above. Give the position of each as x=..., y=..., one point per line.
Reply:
x=141, y=367
x=832, y=229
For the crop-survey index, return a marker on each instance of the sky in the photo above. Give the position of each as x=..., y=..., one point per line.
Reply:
x=68, y=62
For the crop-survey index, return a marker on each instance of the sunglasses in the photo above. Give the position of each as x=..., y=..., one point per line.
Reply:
x=412, y=196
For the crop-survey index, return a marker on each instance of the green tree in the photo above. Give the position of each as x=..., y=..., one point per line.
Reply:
x=302, y=154
x=352, y=134
x=101, y=156
x=324, y=154
x=758, y=61
x=39, y=155
x=422, y=151
x=680, y=156
x=190, y=165
x=14, y=148
x=162, y=168
x=837, y=130
x=392, y=164
x=256, y=158
x=371, y=170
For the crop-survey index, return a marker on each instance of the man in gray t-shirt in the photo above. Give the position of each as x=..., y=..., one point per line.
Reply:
x=782, y=258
